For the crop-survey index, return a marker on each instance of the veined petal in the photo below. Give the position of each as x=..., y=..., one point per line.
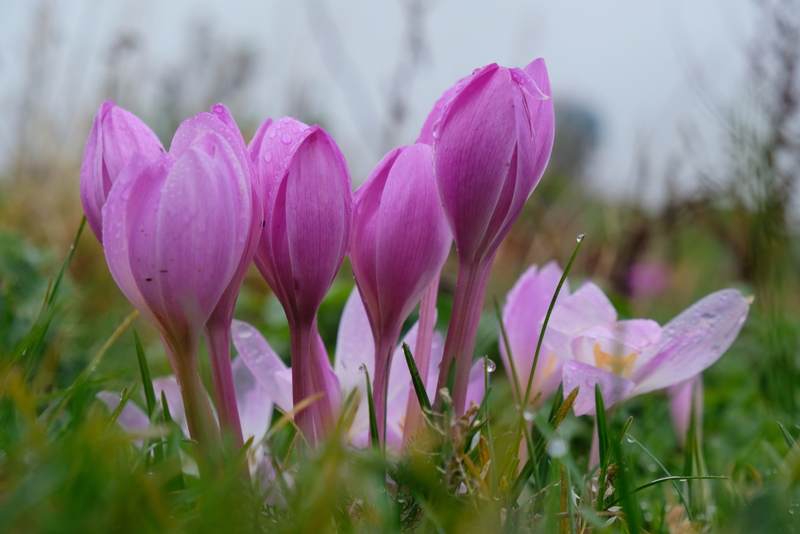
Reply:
x=255, y=404
x=413, y=239
x=183, y=243
x=266, y=366
x=693, y=341
x=542, y=115
x=473, y=150
x=526, y=306
x=586, y=307
x=310, y=225
x=614, y=388
x=354, y=345
x=616, y=347
x=476, y=387
x=683, y=397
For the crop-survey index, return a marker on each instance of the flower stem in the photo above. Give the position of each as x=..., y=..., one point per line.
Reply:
x=384, y=349
x=218, y=335
x=307, y=380
x=463, y=329
x=199, y=415
x=422, y=357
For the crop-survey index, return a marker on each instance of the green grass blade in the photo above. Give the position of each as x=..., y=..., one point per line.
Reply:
x=147, y=381
x=419, y=387
x=373, y=420
x=603, y=442
x=787, y=437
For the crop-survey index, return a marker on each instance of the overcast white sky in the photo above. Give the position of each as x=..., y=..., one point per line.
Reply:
x=647, y=68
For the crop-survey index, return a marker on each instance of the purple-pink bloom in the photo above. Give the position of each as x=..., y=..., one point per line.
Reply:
x=399, y=244
x=632, y=357
x=175, y=231
x=490, y=148
x=354, y=352
x=648, y=278
x=218, y=327
x=116, y=135
x=308, y=215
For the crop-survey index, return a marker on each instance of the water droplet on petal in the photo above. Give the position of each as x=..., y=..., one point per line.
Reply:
x=286, y=139
x=268, y=157
x=271, y=134
x=580, y=237
x=490, y=365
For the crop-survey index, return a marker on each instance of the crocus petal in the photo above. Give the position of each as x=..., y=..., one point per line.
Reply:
x=354, y=344
x=542, y=115
x=132, y=419
x=310, y=225
x=413, y=239
x=614, y=388
x=473, y=150
x=476, y=388
x=693, y=341
x=265, y=365
x=255, y=405
x=172, y=391
x=586, y=307
x=617, y=345
x=184, y=251
x=526, y=306
x=683, y=397
x=116, y=136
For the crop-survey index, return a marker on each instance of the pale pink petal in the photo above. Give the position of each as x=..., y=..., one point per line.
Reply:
x=132, y=419
x=169, y=385
x=614, y=388
x=266, y=366
x=693, y=341
x=354, y=344
x=255, y=405
x=683, y=397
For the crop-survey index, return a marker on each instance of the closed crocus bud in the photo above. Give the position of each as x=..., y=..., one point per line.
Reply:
x=218, y=328
x=308, y=215
x=116, y=135
x=400, y=242
x=175, y=231
x=490, y=148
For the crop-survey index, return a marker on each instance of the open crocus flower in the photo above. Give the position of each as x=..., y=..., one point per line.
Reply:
x=490, y=148
x=399, y=244
x=354, y=352
x=523, y=315
x=116, y=135
x=628, y=358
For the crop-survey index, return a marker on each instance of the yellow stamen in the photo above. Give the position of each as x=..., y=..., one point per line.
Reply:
x=619, y=365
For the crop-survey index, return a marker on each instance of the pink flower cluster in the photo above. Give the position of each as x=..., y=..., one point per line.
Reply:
x=180, y=229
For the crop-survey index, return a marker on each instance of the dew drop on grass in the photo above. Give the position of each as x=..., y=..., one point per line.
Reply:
x=528, y=415
x=580, y=237
x=490, y=365
x=630, y=439
x=362, y=368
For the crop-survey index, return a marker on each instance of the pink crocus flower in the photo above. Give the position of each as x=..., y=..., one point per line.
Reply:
x=218, y=327
x=175, y=231
x=632, y=357
x=354, y=352
x=116, y=135
x=308, y=215
x=490, y=147
x=399, y=244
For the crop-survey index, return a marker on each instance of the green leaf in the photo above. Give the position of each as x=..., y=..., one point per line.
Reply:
x=790, y=441
x=147, y=381
x=603, y=442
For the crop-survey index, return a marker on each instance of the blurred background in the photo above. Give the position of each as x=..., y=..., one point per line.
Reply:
x=676, y=152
